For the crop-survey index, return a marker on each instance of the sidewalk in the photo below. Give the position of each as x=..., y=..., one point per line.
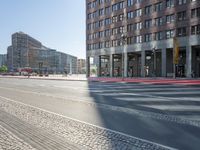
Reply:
x=78, y=77
x=179, y=81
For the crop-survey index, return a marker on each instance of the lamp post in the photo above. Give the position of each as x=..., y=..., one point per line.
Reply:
x=123, y=40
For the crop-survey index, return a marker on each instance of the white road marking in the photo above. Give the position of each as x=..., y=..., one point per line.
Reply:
x=8, y=99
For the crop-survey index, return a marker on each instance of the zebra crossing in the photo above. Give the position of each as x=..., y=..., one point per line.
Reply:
x=176, y=100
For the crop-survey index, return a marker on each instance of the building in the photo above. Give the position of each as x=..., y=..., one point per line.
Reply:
x=81, y=66
x=135, y=38
x=26, y=51
x=3, y=59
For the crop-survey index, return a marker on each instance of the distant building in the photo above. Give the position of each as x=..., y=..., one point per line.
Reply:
x=26, y=51
x=81, y=66
x=3, y=59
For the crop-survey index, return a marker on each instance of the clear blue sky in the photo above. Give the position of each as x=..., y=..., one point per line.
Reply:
x=58, y=24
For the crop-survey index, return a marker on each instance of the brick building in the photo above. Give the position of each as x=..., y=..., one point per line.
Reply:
x=135, y=38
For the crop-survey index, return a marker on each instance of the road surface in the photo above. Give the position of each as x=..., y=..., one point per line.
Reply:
x=50, y=114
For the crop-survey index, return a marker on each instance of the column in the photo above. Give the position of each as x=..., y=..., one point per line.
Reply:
x=87, y=66
x=164, y=62
x=125, y=64
x=99, y=66
x=97, y=63
x=188, y=61
x=111, y=65
x=142, y=63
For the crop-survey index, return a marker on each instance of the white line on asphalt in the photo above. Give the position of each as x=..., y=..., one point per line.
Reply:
x=117, y=132
x=119, y=108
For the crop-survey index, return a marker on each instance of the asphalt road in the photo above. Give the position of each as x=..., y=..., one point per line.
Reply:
x=165, y=114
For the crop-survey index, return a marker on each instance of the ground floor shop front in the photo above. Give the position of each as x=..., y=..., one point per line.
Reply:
x=156, y=61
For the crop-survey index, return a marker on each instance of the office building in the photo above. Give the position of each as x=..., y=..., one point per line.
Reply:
x=3, y=59
x=26, y=51
x=136, y=38
x=81, y=66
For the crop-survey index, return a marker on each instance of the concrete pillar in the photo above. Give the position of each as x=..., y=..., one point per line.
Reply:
x=164, y=62
x=111, y=65
x=188, y=61
x=99, y=67
x=87, y=66
x=97, y=64
x=142, y=63
x=125, y=64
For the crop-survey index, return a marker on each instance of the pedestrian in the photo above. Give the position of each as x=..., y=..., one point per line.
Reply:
x=192, y=74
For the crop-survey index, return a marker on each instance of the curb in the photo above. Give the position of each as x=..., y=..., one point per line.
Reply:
x=44, y=79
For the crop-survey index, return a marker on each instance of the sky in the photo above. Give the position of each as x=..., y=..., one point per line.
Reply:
x=58, y=24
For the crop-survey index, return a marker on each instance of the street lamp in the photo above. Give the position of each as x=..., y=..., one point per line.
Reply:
x=123, y=40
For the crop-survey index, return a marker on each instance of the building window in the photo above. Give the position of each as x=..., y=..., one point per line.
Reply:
x=114, y=43
x=181, y=16
x=101, y=12
x=121, y=17
x=118, y=6
x=169, y=34
x=158, y=21
x=159, y=36
x=158, y=7
x=195, y=12
x=130, y=27
x=107, y=10
x=181, y=31
x=138, y=12
x=107, y=33
x=107, y=44
x=101, y=23
x=138, y=1
x=181, y=2
x=130, y=40
x=169, y=3
x=114, y=19
x=121, y=29
x=195, y=29
x=107, y=21
x=148, y=10
x=101, y=34
x=138, y=25
x=170, y=18
x=130, y=2
x=148, y=23
x=147, y=37
x=114, y=31
x=130, y=15
x=138, y=39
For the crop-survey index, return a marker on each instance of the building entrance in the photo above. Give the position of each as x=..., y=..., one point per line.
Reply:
x=134, y=65
x=196, y=61
x=117, y=65
x=104, y=68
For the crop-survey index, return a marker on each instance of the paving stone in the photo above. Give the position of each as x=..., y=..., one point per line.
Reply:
x=73, y=130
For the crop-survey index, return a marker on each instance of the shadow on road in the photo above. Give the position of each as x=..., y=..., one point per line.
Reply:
x=161, y=130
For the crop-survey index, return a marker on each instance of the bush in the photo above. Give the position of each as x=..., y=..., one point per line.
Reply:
x=3, y=69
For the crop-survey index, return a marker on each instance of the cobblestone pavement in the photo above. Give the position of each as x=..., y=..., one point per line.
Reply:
x=8, y=141
x=88, y=136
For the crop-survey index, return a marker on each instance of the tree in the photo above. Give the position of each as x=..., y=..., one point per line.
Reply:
x=3, y=69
